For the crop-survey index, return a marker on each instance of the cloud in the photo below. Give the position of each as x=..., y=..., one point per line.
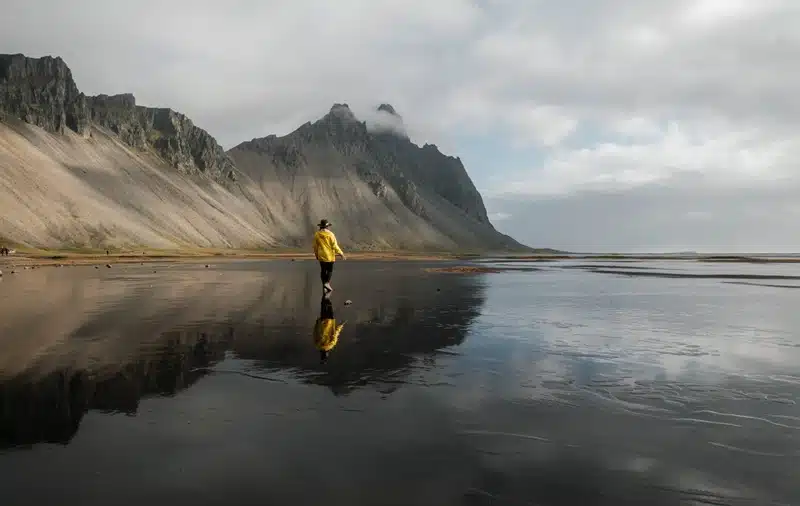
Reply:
x=456, y=63
x=600, y=95
x=687, y=212
x=727, y=153
x=545, y=126
x=379, y=120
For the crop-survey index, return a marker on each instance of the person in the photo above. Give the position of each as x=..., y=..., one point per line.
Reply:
x=326, y=332
x=326, y=249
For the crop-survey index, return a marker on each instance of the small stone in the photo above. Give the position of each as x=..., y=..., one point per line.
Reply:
x=108, y=265
x=206, y=266
x=96, y=266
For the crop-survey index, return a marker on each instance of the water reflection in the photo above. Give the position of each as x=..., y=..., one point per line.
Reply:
x=560, y=388
x=49, y=407
x=326, y=331
x=139, y=336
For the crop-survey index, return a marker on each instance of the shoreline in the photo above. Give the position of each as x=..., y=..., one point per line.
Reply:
x=33, y=258
x=735, y=259
x=62, y=258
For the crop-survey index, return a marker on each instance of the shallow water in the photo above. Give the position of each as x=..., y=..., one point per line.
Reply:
x=560, y=386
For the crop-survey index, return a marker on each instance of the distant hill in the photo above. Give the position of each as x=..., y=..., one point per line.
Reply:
x=79, y=171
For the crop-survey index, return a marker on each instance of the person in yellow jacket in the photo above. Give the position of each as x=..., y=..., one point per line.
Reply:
x=326, y=332
x=326, y=249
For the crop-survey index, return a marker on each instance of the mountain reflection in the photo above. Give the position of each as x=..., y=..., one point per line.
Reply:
x=136, y=343
x=50, y=408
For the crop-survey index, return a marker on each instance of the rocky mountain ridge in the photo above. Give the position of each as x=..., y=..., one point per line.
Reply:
x=123, y=174
x=171, y=134
x=42, y=92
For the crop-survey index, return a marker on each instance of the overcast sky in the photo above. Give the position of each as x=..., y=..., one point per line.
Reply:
x=604, y=125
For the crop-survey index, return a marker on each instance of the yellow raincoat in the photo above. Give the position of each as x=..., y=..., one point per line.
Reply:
x=326, y=333
x=325, y=246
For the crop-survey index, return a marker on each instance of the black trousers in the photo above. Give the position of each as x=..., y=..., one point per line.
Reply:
x=326, y=309
x=326, y=271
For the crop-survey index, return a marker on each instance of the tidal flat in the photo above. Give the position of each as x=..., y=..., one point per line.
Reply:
x=513, y=382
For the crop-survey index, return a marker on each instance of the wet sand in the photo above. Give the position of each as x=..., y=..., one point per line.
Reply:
x=554, y=386
x=34, y=258
x=39, y=258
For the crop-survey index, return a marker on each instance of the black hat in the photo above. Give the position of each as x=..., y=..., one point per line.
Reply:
x=324, y=224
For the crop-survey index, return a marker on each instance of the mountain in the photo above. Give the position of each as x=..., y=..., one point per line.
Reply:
x=102, y=171
x=384, y=190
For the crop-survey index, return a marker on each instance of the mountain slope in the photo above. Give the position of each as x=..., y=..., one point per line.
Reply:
x=377, y=186
x=78, y=171
x=67, y=191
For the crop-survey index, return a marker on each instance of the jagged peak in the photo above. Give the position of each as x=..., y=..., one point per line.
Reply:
x=342, y=111
x=385, y=120
x=387, y=108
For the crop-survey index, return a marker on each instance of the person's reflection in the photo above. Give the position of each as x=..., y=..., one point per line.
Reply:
x=326, y=332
